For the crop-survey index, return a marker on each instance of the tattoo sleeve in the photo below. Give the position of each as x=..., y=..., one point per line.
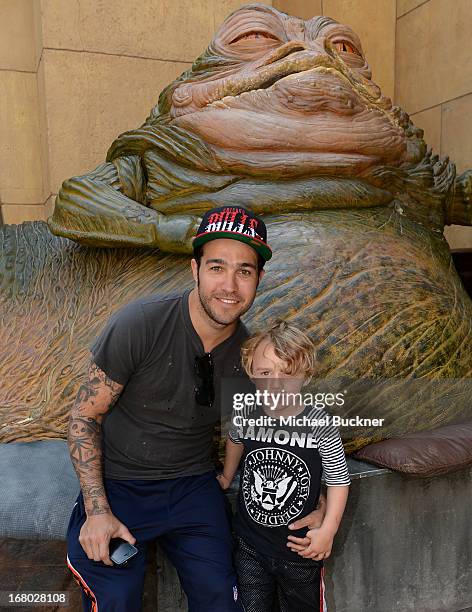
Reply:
x=94, y=398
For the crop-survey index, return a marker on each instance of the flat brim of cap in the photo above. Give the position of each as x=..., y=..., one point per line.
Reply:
x=260, y=247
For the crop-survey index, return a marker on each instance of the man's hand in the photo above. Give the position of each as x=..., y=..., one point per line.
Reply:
x=312, y=521
x=321, y=543
x=96, y=533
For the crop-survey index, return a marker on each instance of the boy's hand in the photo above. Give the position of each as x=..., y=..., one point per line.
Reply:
x=321, y=543
x=312, y=521
x=224, y=482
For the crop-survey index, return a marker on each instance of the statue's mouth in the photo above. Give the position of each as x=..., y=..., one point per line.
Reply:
x=269, y=75
x=299, y=65
x=304, y=92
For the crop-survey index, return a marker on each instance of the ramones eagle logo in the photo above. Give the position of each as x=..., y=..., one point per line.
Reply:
x=276, y=485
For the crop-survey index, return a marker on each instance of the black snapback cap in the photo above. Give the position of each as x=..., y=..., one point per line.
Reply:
x=237, y=223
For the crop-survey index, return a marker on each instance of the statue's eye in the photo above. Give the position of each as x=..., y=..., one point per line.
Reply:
x=253, y=35
x=345, y=47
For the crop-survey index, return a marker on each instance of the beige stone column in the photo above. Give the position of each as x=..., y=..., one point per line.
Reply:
x=23, y=181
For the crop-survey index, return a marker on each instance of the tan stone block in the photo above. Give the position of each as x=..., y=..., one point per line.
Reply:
x=166, y=29
x=20, y=154
x=306, y=9
x=374, y=22
x=404, y=6
x=458, y=237
x=433, y=54
x=456, y=132
x=17, y=35
x=18, y=213
x=430, y=121
x=91, y=99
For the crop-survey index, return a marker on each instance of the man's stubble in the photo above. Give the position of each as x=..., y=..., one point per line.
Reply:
x=210, y=312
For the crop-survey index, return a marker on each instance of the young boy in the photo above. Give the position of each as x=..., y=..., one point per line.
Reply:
x=284, y=445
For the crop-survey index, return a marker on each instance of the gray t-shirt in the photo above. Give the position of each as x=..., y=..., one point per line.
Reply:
x=156, y=430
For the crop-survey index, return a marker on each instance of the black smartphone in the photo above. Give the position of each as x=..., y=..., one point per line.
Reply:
x=121, y=551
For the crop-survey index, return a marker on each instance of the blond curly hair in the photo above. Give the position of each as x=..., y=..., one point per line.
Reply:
x=290, y=344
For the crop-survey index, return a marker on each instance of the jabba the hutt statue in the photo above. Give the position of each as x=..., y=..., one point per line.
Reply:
x=280, y=115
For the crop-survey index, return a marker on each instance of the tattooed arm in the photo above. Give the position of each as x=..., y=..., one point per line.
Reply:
x=94, y=399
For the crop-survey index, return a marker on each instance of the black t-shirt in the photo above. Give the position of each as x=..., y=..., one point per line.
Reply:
x=156, y=430
x=281, y=474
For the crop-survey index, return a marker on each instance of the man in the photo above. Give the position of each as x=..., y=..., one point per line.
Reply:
x=141, y=429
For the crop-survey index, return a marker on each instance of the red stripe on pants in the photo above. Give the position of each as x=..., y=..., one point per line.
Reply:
x=81, y=582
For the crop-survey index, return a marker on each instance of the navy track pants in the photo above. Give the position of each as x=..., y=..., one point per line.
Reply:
x=189, y=519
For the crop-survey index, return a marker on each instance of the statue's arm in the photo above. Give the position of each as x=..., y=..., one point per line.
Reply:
x=105, y=208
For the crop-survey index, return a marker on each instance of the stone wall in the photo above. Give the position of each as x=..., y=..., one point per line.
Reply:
x=433, y=80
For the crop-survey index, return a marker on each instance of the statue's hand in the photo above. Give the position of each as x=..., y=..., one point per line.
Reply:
x=98, y=209
x=174, y=233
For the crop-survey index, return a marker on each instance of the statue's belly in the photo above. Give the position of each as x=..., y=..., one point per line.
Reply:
x=380, y=299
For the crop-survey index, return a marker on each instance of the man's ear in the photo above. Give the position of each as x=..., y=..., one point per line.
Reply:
x=261, y=275
x=194, y=266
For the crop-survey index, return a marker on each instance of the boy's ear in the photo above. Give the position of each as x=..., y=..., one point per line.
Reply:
x=307, y=381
